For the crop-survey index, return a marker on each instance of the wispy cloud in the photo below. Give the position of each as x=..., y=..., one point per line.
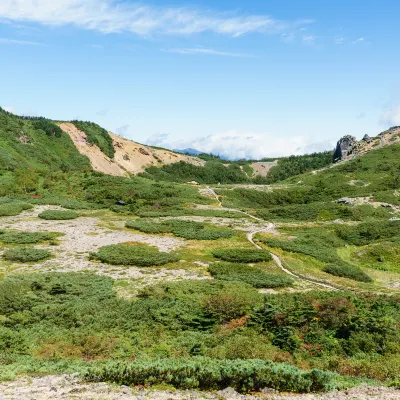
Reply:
x=212, y=52
x=117, y=16
x=20, y=42
x=391, y=117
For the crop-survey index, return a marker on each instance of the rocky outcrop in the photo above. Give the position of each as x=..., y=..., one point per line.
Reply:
x=348, y=147
x=345, y=147
x=367, y=139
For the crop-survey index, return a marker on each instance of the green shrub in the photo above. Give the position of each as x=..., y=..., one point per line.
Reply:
x=255, y=277
x=124, y=254
x=58, y=215
x=15, y=208
x=186, y=229
x=15, y=237
x=347, y=271
x=368, y=232
x=48, y=127
x=210, y=374
x=26, y=254
x=147, y=226
x=242, y=255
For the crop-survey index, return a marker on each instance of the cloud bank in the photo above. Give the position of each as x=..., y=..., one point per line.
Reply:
x=111, y=16
x=239, y=145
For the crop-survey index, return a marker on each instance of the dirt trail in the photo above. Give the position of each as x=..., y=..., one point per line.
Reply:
x=268, y=228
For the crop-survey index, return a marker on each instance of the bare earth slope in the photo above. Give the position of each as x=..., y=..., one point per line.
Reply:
x=130, y=157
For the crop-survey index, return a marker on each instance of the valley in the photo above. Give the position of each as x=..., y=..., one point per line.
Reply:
x=128, y=278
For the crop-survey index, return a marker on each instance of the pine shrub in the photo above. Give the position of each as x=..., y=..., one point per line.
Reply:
x=242, y=255
x=58, y=215
x=254, y=276
x=26, y=254
x=124, y=254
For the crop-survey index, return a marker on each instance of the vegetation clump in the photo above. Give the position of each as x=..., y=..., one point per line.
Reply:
x=18, y=237
x=347, y=271
x=186, y=229
x=210, y=374
x=242, y=255
x=125, y=254
x=14, y=208
x=58, y=215
x=254, y=276
x=26, y=254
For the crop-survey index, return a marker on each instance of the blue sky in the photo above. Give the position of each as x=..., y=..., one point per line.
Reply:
x=244, y=79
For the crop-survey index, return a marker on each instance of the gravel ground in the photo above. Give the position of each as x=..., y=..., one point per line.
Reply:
x=85, y=235
x=67, y=387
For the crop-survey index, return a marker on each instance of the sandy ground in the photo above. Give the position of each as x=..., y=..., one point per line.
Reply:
x=67, y=387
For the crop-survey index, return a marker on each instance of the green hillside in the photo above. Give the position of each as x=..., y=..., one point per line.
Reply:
x=38, y=144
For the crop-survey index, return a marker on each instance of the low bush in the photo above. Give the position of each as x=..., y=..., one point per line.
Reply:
x=254, y=276
x=11, y=209
x=369, y=232
x=58, y=215
x=211, y=374
x=148, y=226
x=185, y=229
x=242, y=255
x=124, y=254
x=15, y=237
x=26, y=254
x=347, y=271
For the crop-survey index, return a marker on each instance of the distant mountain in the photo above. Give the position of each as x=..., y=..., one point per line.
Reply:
x=192, y=152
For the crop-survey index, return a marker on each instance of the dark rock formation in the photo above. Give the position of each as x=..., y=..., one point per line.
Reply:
x=367, y=139
x=345, y=147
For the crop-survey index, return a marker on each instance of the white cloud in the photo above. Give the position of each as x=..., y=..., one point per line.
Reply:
x=20, y=42
x=238, y=145
x=196, y=50
x=391, y=117
x=9, y=109
x=111, y=16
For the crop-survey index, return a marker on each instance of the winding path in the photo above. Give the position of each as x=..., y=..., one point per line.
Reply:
x=268, y=228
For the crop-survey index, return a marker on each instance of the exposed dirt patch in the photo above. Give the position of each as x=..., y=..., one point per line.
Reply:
x=129, y=158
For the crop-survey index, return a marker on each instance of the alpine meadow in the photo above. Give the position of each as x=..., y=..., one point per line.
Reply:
x=199, y=200
x=164, y=278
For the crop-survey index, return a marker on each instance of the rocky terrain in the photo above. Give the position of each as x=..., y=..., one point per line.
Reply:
x=349, y=147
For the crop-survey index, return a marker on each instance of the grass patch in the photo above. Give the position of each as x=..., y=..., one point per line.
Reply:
x=15, y=237
x=254, y=276
x=242, y=255
x=58, y=215
x=26, y=254
x=347, y=271
x=124, y=254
